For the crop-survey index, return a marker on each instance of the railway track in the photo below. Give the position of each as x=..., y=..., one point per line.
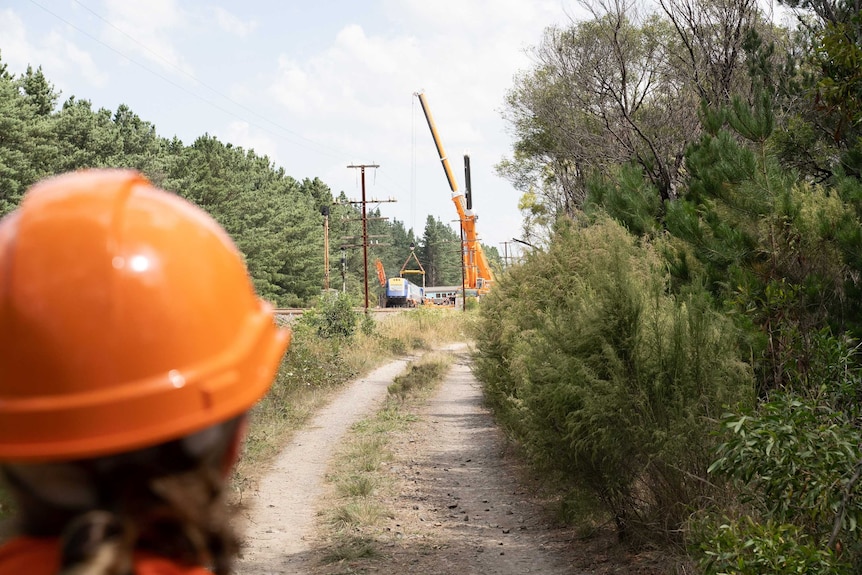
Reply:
x=298, y=311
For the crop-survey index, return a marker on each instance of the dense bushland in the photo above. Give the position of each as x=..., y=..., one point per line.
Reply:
x=683, y=348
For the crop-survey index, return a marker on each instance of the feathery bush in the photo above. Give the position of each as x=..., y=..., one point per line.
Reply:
x=607, y=378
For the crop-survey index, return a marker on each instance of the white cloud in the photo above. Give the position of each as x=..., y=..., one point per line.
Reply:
x=291, y=86
x=56, y=54
x=146, y=30
x=359, y=93
x=233, y=24
x=240, y=134
x=16, y=51
x=359, y=79
x=80, y=59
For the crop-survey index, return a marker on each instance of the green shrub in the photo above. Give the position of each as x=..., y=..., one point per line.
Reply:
x=746, y=547
x=368, y=325
x=333, y=316
x=607, y=378
x=796, y=466
x=795, y=469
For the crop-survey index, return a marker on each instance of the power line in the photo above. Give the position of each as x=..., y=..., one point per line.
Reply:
x=385, y=183
x=321, y=148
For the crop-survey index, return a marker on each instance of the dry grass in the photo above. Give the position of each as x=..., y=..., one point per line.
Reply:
x=357, y=478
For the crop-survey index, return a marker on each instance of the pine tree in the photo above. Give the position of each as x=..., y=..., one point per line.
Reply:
x=27, y=149
x=38, y=91
x=440, y=254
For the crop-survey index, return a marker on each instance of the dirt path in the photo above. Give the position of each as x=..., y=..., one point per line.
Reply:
x=457, y=508
x=460, y=508
x=280, y=516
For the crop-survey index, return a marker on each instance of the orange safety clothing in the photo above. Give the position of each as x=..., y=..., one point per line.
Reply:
x=41, y=556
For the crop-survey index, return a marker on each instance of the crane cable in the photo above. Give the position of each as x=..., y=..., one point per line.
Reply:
x=413, y=164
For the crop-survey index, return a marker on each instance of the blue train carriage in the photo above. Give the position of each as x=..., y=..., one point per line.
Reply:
x=403, y=293
x=442, y=295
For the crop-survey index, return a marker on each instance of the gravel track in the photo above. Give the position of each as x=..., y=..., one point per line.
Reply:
x=460, y=503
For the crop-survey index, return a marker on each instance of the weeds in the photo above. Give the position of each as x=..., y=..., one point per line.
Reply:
x=358, y=485
x=368, y=452
x=418, y=376
x=358, y=480
x=356, y=513
x=350, y=548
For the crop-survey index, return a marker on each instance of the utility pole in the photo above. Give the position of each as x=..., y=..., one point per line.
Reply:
x=506, y=253
x=325, y=212
x=343, y=271
x=363, y=203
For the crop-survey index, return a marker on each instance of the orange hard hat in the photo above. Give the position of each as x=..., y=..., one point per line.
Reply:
x=127, y=318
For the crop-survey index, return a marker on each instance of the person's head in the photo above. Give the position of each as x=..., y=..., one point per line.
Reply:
x=131, y=346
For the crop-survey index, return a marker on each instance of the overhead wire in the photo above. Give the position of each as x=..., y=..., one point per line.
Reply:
x=288, y=134
x=413, y=163
x=385, y=184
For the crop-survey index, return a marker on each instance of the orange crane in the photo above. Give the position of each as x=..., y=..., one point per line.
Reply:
x=477, y=272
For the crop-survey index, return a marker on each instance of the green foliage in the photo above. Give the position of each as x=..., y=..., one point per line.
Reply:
x=629, y=198
x=368, y=326
x=823, y=91
x=767, y=451
x=606, y=377
x=794, y=467
x=27, y=147
x=746, y=547
x=38, y=92
x=332, y=317
x=752, y=122
x=440, y=254
x=776, y=251
x=760, y=240
x=796, y=464
x=311, y=361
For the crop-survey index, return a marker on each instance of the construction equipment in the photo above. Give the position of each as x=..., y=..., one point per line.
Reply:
x=406, y=270
x=477, y=272
x=381, y=273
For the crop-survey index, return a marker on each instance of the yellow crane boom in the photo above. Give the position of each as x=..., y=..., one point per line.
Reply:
x=477, y=272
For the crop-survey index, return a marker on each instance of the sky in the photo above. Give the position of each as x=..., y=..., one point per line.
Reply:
x=314, y=85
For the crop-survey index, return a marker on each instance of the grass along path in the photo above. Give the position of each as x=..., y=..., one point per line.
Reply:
x=358, y=488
